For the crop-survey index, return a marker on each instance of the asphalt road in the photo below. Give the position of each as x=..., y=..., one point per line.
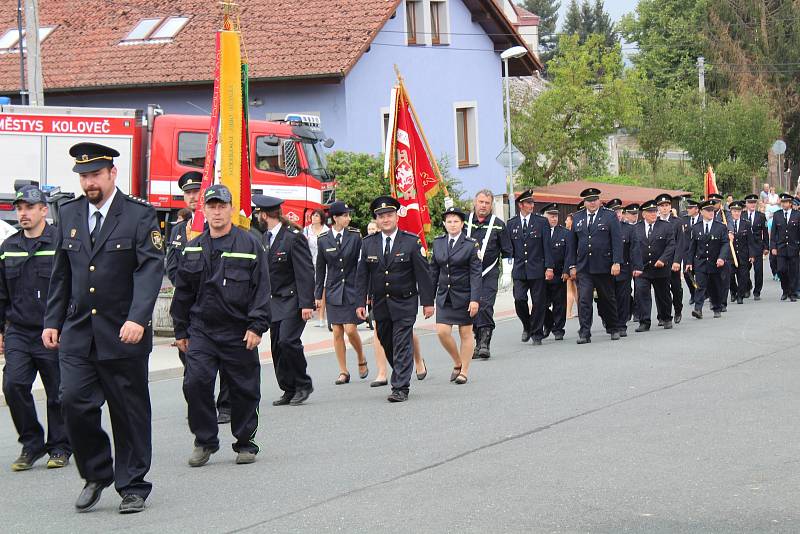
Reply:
x=690, y=430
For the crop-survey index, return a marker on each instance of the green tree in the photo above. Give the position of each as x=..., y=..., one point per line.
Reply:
x=573, y=22
x=587, y=19
x=547, y=11
x=669, y=35
x=566, y=128
x=654, y=120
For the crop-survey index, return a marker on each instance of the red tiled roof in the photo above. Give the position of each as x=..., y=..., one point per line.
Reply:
x=569, y=192
x=284, y=39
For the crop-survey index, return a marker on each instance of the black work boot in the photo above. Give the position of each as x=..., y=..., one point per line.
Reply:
x=486, y=339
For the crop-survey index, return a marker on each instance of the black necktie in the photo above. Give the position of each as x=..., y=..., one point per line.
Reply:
x=525, y=226
x=387, y=249
x=96, y=230
x=269, y=240
x=649, y=230
x=735, y=227
x=591, y=219
x=339, y=240
x=452, y=244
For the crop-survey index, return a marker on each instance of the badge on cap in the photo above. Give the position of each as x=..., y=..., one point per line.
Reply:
x=155, y=237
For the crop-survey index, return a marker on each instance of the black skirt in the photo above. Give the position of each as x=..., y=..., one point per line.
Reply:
x=342, y=314
x=448, y=315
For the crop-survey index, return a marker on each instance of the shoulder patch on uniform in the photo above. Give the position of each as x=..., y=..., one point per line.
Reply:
x=157, y=239
x=295, y=231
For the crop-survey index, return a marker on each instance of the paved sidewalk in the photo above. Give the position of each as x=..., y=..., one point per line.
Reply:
x=164, y=362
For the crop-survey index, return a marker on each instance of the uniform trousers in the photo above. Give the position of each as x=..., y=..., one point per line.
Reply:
x=709, y=285
x=725, y=281
x=622, y=293
x=485, y=316
x=661, y=288
x=676, y=290
x=758, y=275
x=788, y=270
x=395, y=336
x=224, y=397
x=287, y=354
x=740, y=278
x=773, y=264
x=87, y=383
x=25, y=356
x=688, y=278
x=532, y=319
x=241, y=370
x=606, y=302
x=556, y=318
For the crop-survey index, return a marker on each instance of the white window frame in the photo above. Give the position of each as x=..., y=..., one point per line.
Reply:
x=44, y=33
x=180, y=21
x=151, y=37
x=473, y=139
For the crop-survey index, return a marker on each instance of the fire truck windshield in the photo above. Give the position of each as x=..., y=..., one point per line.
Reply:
x=317, y=164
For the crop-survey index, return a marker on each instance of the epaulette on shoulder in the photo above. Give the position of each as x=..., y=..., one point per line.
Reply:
x=323, y=233
x=356, y=230
x=138, y=200
x=471, y=239
x=408, y=233
x=440, y=237
x=70, y=201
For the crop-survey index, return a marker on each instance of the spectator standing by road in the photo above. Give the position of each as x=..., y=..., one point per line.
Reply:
x=312, y=233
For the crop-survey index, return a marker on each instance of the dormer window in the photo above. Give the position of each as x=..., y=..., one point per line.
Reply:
x=155, y=30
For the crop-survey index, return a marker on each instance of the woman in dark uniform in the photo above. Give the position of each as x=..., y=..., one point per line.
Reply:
x=456, y=273
x=338, y=252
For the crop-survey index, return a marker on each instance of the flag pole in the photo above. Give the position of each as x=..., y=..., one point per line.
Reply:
x=422, y=133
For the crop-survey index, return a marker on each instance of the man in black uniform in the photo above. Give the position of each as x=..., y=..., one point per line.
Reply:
x=707, y=256
x=562, y=249
x=220, y=311
x=622, y=282
x=599, y=255
x=394, y=273
x=744, y=246
x=723, y=215
x=105, y=282
x=664, y=202
x=190, y=183
x=533, y=265
x=291, y=274
x=785, y=245
x=692, y=217
x=490, y=231
x=653, y=256
x=758, y=224
x=26, y=261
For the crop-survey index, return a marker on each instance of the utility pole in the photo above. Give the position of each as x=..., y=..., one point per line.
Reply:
x=22, y=91
x=701, y=74
x=35, y=83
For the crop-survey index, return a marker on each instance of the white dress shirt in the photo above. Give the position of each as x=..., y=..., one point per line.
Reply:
x=103, y=211
x=393, y=237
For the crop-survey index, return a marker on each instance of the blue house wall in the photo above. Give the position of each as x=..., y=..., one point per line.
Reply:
x=465, y=70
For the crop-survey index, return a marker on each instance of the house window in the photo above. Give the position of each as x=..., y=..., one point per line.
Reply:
x=439, y=29
x=384, y=127
x=192, y=149
x=9, y=42
x=466, y=134
x=155, y=30
x=414, y=22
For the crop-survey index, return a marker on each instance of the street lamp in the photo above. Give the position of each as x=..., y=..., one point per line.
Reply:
x=513, y=52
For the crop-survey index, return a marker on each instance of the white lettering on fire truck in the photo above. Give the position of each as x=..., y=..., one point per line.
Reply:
x=12, y=124
x=82, y=127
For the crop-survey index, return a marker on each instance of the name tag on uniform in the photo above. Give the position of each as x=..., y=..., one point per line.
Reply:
x=397, y=255
x=330, y=249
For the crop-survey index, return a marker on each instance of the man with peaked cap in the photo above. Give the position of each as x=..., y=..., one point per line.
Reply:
x=758, y=223
x=630, y=216
x=220, y=310
x=622, y=282
x=26, y=261
x=533, y=265
x=490, y=231
x=747, y=251
x=630, y=213
x=707, y=256
x=723, y=215
x=785, y=245
x=653, y=256
x=562, y=247
x=599, y=256
x=106, y=278
x=664, y=203
x=688, y=221
x=190, y=183
x=291, y=273
x=394, y=273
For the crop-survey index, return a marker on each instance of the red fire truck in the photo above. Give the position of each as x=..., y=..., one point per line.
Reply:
x=287, y=157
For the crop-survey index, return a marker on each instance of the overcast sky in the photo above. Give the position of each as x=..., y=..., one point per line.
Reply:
x=615, y=8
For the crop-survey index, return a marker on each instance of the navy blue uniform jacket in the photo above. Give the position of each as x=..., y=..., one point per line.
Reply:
x=660, y=247
x=337, y=266
x=397, y=287
x=600, y=246
x=785, y=236
x=562, y=246
x=705, y=249
x=94, y=290
x=222, y=289
x=456, y=274
x=531, y=252
x=744, y=241
x=291, y=274
x=25, y=279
